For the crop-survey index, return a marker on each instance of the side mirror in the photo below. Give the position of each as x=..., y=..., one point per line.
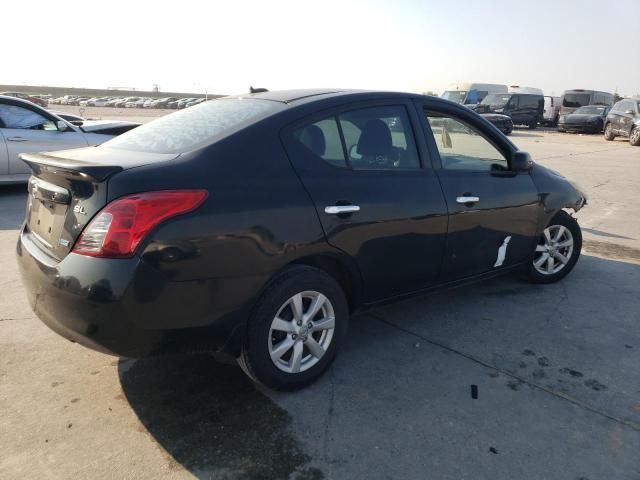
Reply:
x=521, y=162
x=62, y=125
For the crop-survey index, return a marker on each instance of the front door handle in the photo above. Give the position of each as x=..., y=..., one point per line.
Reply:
x=17, y=139
x=338, y=209
x=467, y=199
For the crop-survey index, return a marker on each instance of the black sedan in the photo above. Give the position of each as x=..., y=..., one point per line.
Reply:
x=255, y=225
x=501, y=122
x=589, y=119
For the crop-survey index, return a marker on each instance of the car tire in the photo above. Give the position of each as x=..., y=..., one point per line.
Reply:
x=557, y=251
x=507, y=131
x=533, y=125
x=634, y=137
x=277, y=351
x=608, y=132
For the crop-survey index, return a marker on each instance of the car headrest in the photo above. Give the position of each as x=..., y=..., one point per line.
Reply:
x=375, y=139
x=313, y=138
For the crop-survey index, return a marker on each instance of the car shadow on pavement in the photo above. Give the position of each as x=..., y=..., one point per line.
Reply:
x=13, y=200
x=209, y=417
x=213, y=421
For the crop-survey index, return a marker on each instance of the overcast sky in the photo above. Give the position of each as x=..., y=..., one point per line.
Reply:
x=225, y=46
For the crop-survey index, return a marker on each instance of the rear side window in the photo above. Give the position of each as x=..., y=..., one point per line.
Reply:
x=194, y=127
x=376, y=138
x=323, y=139
x=379, y=138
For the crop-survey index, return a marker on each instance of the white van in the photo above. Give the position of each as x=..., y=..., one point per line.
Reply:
x=471, y=93
x=551, y=110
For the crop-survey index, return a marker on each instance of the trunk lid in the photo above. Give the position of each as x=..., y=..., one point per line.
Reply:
x=67, y=188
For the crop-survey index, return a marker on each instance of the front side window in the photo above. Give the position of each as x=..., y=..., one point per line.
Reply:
x=14, y=116
x=463, y=147
x=379, y=138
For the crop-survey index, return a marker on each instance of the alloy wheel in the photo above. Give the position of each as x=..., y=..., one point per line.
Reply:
x=554, y=250
x=301, y=332
x=635, y=136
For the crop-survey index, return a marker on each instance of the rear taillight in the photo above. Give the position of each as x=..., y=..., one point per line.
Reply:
x=118, y=228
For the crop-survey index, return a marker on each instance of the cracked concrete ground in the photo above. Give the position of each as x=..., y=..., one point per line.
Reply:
x=556, y=370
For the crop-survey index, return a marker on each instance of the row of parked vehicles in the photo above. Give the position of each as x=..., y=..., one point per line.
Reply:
x=128, y=102
x=577, y=110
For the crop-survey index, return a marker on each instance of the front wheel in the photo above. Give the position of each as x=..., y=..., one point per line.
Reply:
x=296, y=329
x=557, y=251
x=634, y=137
x=608, y=133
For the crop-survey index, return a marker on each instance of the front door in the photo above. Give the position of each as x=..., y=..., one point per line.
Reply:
x=376, y=196
x=493, y=212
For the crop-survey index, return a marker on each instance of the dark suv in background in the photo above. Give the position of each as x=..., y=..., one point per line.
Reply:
x=623, y=120
x=523, y=108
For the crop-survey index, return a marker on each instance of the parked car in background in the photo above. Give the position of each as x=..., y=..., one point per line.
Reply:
x=523, y=108
x=184, y=101
x=502, y=122
x=163, y=102
x=133, y=102
x=27, y=127
x=623, y=120
x=551, y=112
x=102, y=102
x=574, y=99
x=588, y=119
x=196, y=102
x=472, y=93
x=150, y=243
x=29, y=98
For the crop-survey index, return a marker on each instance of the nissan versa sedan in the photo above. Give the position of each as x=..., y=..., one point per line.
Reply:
x=254, y=225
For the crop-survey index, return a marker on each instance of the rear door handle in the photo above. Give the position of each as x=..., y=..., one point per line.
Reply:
x=17, y=139
x=465, y=199
x=338, y=209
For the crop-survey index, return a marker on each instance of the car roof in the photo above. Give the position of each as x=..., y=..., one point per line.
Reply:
x=301, y=96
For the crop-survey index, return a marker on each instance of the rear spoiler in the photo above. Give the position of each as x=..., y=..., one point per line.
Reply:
x=68, y=168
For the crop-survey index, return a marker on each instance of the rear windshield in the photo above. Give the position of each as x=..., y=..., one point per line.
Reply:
x=573, y=100
x=194, y=127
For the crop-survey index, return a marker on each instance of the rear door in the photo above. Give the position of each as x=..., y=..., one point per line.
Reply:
x=32, y=130
x=375, y=193
x=493, y=212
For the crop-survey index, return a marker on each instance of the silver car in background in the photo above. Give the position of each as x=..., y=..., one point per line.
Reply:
x=26, y=127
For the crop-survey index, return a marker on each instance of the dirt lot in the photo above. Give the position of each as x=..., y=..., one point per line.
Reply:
x=557, y=370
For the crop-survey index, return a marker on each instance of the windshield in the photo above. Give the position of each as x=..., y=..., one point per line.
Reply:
x=194, y=127
x=457, y=96
x=495, y=100
x=573, y=100
x=591, y=110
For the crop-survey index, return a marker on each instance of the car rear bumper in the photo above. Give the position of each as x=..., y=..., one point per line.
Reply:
x=126, y=308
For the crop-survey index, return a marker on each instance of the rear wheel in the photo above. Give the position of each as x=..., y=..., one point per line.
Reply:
x=634, y=137
x=608, y=132
x=296, y=329
x=533, y=125
x=557, y=251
